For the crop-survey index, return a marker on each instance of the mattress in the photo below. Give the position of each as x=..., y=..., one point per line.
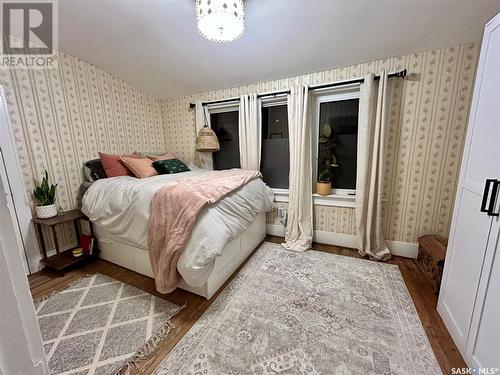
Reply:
x=121, y=206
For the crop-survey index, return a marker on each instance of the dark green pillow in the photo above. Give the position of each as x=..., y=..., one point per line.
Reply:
x=170, y=166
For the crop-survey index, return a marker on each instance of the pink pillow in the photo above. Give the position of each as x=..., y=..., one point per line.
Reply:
x=165, y=156
x=113, y=166
x=141, y=168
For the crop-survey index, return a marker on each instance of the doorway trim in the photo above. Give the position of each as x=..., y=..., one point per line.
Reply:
x=12, y=178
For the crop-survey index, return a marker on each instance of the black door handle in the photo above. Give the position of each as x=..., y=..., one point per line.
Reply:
x=486, y=193
x=493, y=199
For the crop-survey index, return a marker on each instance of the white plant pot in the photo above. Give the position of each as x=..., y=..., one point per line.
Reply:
x=44, y=212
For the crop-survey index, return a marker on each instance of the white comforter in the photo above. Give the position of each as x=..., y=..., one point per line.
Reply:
x=121, y=205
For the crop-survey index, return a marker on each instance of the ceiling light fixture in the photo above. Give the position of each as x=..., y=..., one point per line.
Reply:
x=220, y=20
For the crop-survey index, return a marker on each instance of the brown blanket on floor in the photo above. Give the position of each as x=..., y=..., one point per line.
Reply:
x=174, y=210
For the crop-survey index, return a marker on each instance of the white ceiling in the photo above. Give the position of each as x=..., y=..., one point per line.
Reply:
x=154, y=44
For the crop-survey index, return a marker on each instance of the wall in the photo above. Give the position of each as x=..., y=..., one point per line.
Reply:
x=428, y=119
x=62, y=118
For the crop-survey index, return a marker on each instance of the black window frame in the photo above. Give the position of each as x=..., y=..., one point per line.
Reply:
x=216, y=110
x=265, y=105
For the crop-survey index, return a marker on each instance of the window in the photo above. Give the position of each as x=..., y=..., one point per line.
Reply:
x=275, y=155
x=225, y=126
x=336, y=135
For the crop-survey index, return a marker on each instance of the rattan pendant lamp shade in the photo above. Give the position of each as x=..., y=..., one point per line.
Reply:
x=207, y=141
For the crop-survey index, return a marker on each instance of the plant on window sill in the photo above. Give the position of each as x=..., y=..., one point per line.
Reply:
x=324, y=183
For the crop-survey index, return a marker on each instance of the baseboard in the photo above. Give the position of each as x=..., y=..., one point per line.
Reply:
x=402, y=249
x=337, y=239
x=276, y=230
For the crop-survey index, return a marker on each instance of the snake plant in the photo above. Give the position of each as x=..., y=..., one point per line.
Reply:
x=45, y=194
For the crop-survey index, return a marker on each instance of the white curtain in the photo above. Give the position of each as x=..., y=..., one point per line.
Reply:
x=299, y=230
x=372, y=131
x=202, y=159
x=250, y=132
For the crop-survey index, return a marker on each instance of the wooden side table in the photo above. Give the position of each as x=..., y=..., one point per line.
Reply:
x=63, y=259
x=431, y=255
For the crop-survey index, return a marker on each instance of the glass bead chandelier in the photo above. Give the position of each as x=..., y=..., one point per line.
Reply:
x=220, y=20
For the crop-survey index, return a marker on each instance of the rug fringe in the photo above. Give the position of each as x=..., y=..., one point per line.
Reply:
x=144, y=351
x=149, y=347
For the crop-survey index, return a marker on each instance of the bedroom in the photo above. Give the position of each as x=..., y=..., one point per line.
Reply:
x=249, y=186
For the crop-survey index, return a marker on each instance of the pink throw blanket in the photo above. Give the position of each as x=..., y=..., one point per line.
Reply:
x=174, y=210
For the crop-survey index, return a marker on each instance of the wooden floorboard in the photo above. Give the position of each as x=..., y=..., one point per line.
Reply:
x=421, y=291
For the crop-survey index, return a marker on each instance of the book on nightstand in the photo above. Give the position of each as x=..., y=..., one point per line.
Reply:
x=86, y=243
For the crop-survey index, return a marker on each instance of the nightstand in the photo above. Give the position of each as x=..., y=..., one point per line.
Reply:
x=63, y=259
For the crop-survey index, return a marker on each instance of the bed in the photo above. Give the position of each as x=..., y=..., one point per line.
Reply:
x=224, y=235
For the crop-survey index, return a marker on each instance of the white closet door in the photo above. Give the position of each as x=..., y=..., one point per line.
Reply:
x=471, y=228
x=483, y=344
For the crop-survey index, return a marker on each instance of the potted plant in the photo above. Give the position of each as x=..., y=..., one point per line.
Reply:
x=324, y=183
x=46, y=197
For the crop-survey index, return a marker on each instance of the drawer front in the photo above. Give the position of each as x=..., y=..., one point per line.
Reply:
x=133, y=258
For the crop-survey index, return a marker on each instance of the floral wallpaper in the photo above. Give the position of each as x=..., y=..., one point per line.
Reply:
x=326, y=218
x=62, y=118
x=428, y=120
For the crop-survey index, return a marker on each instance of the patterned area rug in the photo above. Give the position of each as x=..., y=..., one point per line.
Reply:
x=99, y=324
x=307, y=313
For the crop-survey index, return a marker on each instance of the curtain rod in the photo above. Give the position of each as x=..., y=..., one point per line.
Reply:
x=398, y=74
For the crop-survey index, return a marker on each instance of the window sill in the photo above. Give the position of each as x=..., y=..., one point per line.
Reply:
x=335, y=200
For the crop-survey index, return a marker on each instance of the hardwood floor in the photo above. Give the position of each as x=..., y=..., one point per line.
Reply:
x=447, y=354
